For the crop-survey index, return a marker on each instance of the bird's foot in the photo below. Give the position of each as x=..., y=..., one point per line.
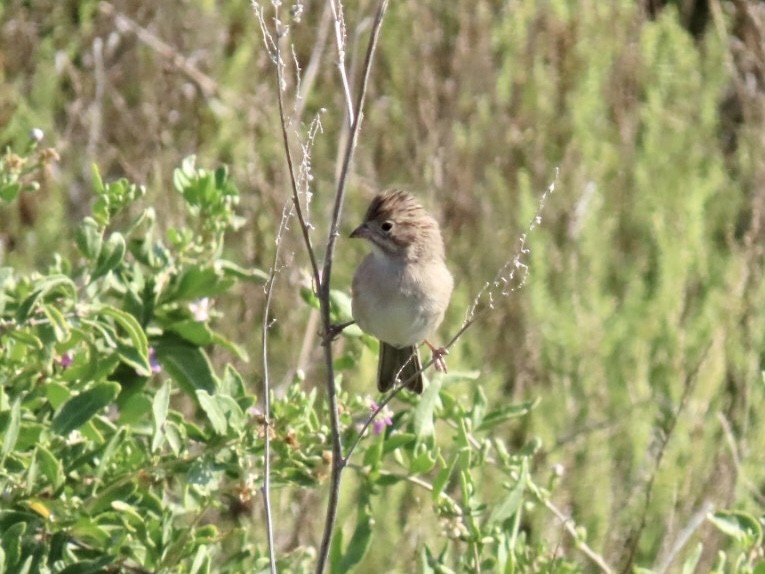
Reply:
x=438, y=357
x=337, y=328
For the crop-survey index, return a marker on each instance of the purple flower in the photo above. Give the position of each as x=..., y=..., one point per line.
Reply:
x=153, y=361
x=384, y=418
x=65, y=360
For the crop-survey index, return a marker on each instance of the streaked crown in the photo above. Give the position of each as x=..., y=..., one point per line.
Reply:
x=397, y=224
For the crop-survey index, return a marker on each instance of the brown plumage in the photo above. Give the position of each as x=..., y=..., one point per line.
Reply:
x=401, y=289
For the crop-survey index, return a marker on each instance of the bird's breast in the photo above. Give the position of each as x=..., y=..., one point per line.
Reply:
x=400, y=302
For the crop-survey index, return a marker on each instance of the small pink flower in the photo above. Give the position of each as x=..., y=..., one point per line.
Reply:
x=65, y=360
x=200, y=309
x=384, y=418
x=153, y=361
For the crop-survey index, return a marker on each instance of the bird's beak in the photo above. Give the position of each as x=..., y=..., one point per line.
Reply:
x=361, y=231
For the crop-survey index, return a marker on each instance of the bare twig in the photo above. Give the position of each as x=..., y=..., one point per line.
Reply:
x=337, y=15
x=505, y=279
x=694, y=523
x=312, y=69
x=279, y=63
x=269, y=288
x=338, y=461
x=570, y=527
x=97, y=107
x=662, y=441
x=206, y=84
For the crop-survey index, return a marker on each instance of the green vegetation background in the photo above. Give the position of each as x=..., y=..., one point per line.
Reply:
x=645, y=273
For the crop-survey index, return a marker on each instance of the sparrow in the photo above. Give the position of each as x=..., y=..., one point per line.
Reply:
x=402, y=288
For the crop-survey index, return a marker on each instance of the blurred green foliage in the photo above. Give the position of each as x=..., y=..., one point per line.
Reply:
x=639, y=330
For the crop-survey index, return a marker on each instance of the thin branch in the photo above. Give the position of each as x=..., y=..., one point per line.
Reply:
x=337, y=15
x=269, y=288
x=312, y=69
x=207, y=85
x=570, y=527
x=273, y=46
x=694, y=523
x=304, y=225
x=338, y=462
x=632, y=540
x=505, y=278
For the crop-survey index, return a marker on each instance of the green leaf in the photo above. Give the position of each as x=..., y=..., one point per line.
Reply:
x=26, y=338
x=11, y=542
x=49, y=285
x=310, y=297
x=397, y=440
x=111, y=255
x=57, y=394
x=373, y=454
x=102, y=501
x=134, y=408
x=50, y=466
x=213, y=410
x=61, y=327
x=689, y=566
x=9, y=191
x=127, y=511
x=741, y=526
x=112, y=448
x=11, y=431
x=230, y=346
x=231, y=269
x=86, y=530
x=424, y=459
x=336, y=552
x=479, y=407
x=359, y=542
x=502, y=414
x=159, y=407
x=88, y=239
x=201, y=564
x=133, y=330
x=132, y=356
x=511, y=502
x=81, y=408
x=95, y=566
x=234, y=413
x=442, y=479
x=423, y=413
x=340, y=304
x=197, y=282
x=195, y=332
x=186, y=364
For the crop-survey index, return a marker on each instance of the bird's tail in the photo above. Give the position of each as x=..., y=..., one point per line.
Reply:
x=399, y=365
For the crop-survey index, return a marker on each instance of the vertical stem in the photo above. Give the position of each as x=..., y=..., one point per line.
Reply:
x=267, y=393
x=338, y=461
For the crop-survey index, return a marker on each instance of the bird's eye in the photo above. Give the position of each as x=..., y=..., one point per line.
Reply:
x=386, y=226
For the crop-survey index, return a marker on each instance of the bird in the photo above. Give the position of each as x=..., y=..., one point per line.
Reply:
x=401, y=289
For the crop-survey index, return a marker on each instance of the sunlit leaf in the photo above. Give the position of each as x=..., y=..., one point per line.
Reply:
x=213, y=410
x=79, y=409
x=186, y=364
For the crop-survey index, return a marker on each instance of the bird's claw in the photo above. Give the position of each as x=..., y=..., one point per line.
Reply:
x=438, y=357
x=335, y=329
